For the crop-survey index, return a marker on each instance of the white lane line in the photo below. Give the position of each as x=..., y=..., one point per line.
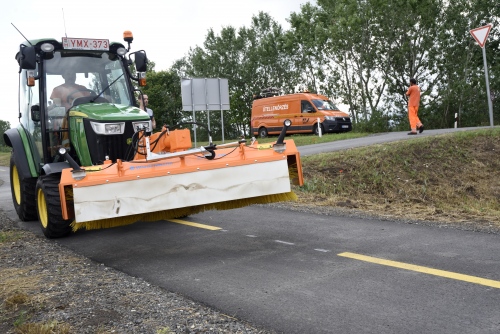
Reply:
x=284, y=242
x=322, y=250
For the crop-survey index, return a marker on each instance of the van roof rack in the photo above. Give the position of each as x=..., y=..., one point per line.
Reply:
x=268, y=92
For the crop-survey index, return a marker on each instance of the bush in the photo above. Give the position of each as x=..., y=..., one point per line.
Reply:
x=378, y=122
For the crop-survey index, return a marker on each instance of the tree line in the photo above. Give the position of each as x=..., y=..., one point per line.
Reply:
x=359, y=53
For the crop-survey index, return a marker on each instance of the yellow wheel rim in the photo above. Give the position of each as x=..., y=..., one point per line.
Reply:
x=42, y=208
x=16, y=185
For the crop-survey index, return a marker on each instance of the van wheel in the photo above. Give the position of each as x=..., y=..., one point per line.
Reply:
x=316, y=129
x=262, y=132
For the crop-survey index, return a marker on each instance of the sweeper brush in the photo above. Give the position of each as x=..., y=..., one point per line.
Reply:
x=158, y=185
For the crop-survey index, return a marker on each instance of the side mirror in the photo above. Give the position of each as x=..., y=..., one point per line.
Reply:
x=27, y=57
x=141, y=61
x=35, y=113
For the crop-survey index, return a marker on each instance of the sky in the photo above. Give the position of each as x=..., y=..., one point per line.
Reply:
x=165, y=29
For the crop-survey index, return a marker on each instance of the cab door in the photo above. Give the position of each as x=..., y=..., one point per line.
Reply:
x=308, y=118
x=30, y=110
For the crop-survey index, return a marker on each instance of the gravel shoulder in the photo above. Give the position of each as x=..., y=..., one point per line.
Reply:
x=46, y=288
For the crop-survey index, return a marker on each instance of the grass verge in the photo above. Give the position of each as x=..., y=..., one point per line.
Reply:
x=4, y=158
x=452, y=177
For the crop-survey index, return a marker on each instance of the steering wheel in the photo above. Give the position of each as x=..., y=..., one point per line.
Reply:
x=70, y=95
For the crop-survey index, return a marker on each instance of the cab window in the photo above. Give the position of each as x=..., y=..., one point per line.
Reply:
x=307, y=107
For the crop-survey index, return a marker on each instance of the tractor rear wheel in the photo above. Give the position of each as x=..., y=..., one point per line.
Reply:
x=48, y=204
x=23, y=193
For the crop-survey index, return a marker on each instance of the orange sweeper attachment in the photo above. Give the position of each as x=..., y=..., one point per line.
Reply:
x=168, y=179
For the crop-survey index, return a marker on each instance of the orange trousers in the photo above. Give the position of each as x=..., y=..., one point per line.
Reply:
x=413, y=116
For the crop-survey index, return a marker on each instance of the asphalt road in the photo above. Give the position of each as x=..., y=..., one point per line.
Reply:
x=378, y=138
x=297, y=272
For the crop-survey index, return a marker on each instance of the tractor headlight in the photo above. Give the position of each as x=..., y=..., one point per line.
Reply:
x=121, y=51
x=48, y=50
x=108, y=128
x=47, y=47
x=142, y=125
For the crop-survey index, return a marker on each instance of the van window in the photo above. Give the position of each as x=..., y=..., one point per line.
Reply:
x=324, y=105
x=307, y=107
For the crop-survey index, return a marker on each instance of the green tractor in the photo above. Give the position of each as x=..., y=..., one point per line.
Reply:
x=84, y=154
x=76, y=104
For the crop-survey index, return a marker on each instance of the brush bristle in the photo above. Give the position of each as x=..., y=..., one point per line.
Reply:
x=182, y=212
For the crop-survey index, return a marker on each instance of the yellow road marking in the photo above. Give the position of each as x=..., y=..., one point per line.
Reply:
x=183, y=222
x=425, y=270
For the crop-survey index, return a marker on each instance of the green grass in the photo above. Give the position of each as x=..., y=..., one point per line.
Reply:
x=4, y=155
x=4, y=158
x=9, y=236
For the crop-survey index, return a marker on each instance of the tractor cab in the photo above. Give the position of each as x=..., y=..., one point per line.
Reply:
x=78, y=94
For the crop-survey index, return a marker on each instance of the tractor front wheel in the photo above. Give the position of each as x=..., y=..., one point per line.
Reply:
x=48, y=204
x=23, y=193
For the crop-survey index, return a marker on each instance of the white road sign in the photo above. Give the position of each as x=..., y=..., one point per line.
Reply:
x=481, y=34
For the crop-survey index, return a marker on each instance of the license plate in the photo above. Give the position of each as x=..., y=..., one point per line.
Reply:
x=345, y=126
x=85, y=44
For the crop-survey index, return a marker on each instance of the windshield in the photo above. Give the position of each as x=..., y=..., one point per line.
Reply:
x=324, y=105
x=71, y=74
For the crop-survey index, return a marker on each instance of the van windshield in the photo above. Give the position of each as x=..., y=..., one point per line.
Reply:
x=324, y=105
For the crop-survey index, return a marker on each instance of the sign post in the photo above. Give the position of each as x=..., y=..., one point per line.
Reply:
x=481, y=35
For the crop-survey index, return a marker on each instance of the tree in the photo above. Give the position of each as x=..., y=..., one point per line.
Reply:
x=251, y=59
x=164, y=92
x=462, y=88
x=407, y=40
x=221, y=57
x=306, y=45
x=350, y=29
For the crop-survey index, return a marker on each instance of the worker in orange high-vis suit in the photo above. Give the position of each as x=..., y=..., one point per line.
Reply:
x=413, y=102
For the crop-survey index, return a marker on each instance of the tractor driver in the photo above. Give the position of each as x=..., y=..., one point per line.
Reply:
x=63, y=95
